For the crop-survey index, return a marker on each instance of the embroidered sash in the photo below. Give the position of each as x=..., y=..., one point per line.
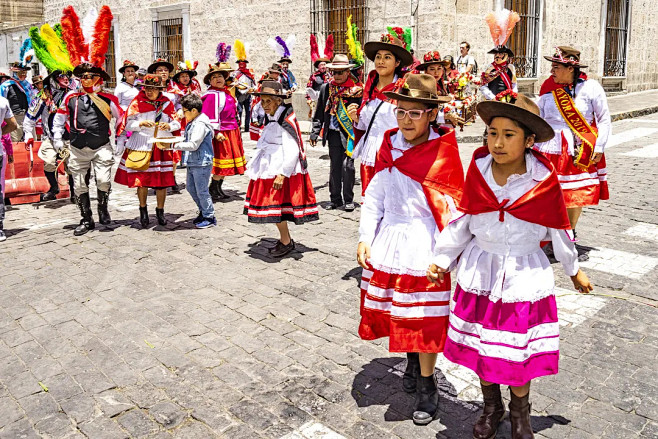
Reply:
x=578, y=124
x=346, y=123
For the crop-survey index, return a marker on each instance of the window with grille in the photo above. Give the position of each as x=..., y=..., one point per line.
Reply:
x=110, y=62
x=330, y=17
x=524, y=40
x=616, y=34
x=168, y=40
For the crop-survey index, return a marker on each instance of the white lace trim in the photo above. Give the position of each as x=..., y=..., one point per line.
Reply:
x=536, y=296
x=399, y=271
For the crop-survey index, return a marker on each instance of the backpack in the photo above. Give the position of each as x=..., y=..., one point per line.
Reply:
x=474, y=71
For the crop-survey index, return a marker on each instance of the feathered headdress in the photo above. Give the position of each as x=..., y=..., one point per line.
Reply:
x=282, y=48
x=26, y=54
x=87, y=42
x=328, y=52
x=187, y=65
x=402, y=34
x=241, y=50
x=223, y=52
x=501, y=24
x=353, y=44
x=50, y=49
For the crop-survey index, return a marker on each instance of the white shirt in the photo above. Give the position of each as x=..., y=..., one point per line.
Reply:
x=464, y=62
x=140, y=135
x=125, y=93
x=367, y=147
x=592, y=104
x=5, y=113
x=503, y=260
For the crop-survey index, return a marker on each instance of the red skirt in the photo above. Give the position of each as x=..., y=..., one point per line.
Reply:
x=367, y=173
x=409, y=310
x=160, y=173
x=580, y=188
x=229, y=155
x=295, y=201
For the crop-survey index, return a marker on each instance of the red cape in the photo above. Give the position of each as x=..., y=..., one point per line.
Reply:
x=434, y=164
x=549, y=85
x=141, y=104
x=543, y=204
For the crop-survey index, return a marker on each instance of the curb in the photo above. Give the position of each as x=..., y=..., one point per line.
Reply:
x=634, y=113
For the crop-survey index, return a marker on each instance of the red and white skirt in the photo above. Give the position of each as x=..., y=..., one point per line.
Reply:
x=367, y=173
x=229, y=156
x=580, y=187
x=160, y=173
x=295, y=201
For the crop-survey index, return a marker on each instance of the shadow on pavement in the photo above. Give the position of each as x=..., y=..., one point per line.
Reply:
x=380, y=383
x=259, y=250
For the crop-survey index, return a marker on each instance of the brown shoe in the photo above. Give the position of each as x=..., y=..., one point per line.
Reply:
x=494, y=410
x=519, y=415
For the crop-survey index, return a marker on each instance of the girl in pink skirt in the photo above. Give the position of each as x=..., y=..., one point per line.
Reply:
x=504, y=324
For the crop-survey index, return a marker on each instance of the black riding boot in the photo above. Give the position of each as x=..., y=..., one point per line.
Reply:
x=159, y=214
x=144, y=216
x=103, y=213
x=220, y=192
x=54, y=187
x=87, y=221
x=71, y=191
x=214, y=194
x=427, y=400
x=411, y=373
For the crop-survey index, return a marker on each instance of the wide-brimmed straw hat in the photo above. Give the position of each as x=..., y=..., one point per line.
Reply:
x=432, y=57
x=224, y=68
x=393, y=45
x=418, y=88
x=523, y=110
x=127, y=64
x=271, y=88
x=340, y=62
x=566, y=55
x=160, y=62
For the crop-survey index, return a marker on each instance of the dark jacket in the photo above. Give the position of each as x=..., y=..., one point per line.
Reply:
x=322, y=118
x=94, y=126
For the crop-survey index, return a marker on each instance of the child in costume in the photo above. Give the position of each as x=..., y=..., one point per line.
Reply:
x=418, y=179
x=504, y=322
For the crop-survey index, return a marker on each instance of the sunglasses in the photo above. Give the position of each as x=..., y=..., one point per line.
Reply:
x=89, y=76
x=400, y=113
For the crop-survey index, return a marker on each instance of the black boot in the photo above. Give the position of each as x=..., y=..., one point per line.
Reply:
x=159, y=214
x=175, y=189
x=71, y=191
x=214, y=194
x=487, y=424
x=87, y=221
x=54, y=187
x=427, y=400
x=143, y=216
x=411, y=373
x=519, y=416
x=103, y=213
x=220, y=192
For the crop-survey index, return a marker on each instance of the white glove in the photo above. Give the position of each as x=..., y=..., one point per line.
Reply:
x=58, y=144
x=121, y=146
x=28, y=137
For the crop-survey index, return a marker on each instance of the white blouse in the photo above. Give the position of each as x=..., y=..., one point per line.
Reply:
x=125, y=93
x=503, y=260
x=277, y=152
x=140, y=135
x=396, y=220
x=592, y=104
x=367, y=147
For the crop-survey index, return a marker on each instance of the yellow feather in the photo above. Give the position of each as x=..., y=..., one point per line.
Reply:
x=188, y=63
x=240, y=50
x=53, y=45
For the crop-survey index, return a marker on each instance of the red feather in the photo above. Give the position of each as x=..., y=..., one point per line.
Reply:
x=329, y=47
x=315, y=51
x=101, y=37
x=73, y=36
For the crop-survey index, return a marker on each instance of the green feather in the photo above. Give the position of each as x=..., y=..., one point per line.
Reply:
x=407, y=37
x=58, y=30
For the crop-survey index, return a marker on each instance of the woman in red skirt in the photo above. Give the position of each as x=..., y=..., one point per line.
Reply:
x=221, y=108
x=149, y=115
x=280, y=188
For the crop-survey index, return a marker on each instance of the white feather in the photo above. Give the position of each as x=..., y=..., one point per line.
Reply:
x=27, y=55
x=275, y=46
x=88, y=24
x=290, y=42
x=246, y=49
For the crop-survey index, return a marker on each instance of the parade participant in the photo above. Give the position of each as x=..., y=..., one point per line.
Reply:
x=465, y=62
x=376, y=114
x=280, y=188
x=246, y=83
x=436, y=66
x=221, y=108
x=18, y=91
x=504, y=323
x=284, y=50
x=332, y=119
x=6, y=156
x=320, y=76
x=127, y=90
x=44, y=108
x=143, y=166
x=184, y=82
x=354, y=49
x=580, y=139
x=499, y=79
x=37, y=85
x=409, y=201
x=88, y=113
x=451, y=73
x=141, y=72
x=199, y=134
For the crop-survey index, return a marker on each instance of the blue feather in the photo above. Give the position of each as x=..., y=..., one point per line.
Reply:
x=27, y=45
x=286, y=51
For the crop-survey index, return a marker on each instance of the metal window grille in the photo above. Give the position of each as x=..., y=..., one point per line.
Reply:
x=330, y=17
x=616, y=34
x=168, y=40
x=110, y=62
x=524, y=40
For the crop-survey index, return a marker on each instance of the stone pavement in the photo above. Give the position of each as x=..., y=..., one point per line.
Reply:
x=179, y=333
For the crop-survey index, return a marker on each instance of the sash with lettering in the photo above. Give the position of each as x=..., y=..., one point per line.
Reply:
x=543, y=204
x=578, y=124
x=434, y=164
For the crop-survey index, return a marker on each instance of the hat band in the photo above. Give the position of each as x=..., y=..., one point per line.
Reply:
x=272, y=91
x=415, y=93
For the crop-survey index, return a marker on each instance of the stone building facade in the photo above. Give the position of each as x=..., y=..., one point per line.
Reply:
x=617, y=37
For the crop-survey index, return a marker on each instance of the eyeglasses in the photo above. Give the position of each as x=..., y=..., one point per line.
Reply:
x=89, y=76
x=162, y=70
x=151, y=89
x=400, y=113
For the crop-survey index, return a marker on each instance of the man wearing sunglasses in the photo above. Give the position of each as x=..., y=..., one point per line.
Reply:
x=499, y=80
x=89, y=113
x=331, y=115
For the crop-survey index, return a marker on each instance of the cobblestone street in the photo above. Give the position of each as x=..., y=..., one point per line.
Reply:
x=174, y=332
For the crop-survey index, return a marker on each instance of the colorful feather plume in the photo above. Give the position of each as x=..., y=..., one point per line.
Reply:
x=315, y=51
x=58, y=30
x=73, y=36
x=89, y=41
x=26, y=53
x=402, y=34
x=501, y=24
x=352, y=41
x=240, y=50
x=329, y=47
x=187, y=65
x=223, y=52
x=101, y=37
x=48, y=49
x=88, y=24
x=282, y=43
x=282, y=48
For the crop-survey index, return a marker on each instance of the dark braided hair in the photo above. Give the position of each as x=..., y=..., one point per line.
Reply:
x=576, y=77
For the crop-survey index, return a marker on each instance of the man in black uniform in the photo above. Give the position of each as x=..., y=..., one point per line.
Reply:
x=18, y=91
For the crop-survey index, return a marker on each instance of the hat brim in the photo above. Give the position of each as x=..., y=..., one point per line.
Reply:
x=241, y=60
x=506, y=50
x=80, y=70
x=155, y=65
x=431, y=101
x=20, y=69
x=260, y=93
x=425, y=65
x=559, y=61
x=319, y=60
x=489, y=110
x=331, y=66
x=225, y=74
x=372, y=47
x=288, y=60
x=192, y=74
x=123, y=68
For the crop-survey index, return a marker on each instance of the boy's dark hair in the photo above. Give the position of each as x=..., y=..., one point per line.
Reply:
x=468, y=46
x=192, y=102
